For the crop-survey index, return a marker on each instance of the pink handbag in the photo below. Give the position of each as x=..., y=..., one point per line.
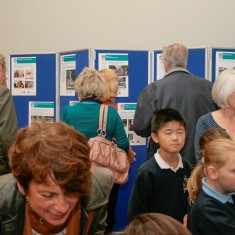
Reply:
x=105, y=153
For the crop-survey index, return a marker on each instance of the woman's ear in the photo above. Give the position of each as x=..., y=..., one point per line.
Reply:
x=154, y=137
x=212, y=173
x=21, y=188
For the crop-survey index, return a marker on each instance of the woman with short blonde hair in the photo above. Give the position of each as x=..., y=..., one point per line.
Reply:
x=111, y=78
x=90, y=84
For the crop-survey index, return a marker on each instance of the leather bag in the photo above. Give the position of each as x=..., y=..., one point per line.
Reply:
x=105, y=153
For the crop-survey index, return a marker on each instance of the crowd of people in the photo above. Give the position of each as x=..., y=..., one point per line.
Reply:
x=48, y=184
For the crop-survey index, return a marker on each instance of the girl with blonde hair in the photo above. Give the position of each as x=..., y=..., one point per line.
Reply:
x=213, y=211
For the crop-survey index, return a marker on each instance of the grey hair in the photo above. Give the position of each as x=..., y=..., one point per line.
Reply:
x=3, y=61
x=223, y=87
x=176, y=55
x=90, y=84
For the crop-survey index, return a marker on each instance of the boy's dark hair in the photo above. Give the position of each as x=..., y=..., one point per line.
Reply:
x=163, y=116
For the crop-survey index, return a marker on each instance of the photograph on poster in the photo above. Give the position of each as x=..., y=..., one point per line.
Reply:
x=42, y=118
x=29, y=84
x=122, y=82
x=29, y=73
x=18, y=73
x=18, y=84
x=70, y=79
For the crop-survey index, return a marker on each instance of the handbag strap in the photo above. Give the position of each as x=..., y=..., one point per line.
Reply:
x=103, y=118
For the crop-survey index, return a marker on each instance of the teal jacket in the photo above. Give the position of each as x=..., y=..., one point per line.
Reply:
x=84, y=117
x=12, y=205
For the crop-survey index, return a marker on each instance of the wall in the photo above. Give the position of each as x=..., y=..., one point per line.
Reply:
x=61, y=25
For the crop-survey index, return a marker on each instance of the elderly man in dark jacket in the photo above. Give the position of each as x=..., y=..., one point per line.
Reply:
x=179, y=89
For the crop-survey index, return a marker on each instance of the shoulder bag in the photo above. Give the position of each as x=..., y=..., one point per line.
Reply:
x=105, y=153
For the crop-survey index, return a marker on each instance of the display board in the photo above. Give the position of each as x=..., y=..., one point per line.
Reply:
x=134, y=80
x=197, y=63
x=221, y=59
x=81, y=60
x=32, y=78
x=54, y=79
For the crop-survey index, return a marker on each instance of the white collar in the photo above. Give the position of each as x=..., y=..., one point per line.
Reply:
x=164, y=165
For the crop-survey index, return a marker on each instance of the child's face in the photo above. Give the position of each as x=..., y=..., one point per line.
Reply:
x=225, y=175
x=171, y=137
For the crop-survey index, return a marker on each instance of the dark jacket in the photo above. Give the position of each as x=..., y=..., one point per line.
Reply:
x=180, y=90
x=12, y=205
x=210, y=216
x=8, y=120
x=8, y=127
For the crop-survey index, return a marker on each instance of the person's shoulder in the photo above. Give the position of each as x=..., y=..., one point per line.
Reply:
x=111, y=108
x=102, y=175
x=150, y=87
x=4, y=90
x=7, y=180
x=200, y=80
x=101, y=185
x=204, y=117
x=187, y=165
x=204, y=202
x=7, y=185
x=71, y=107
x=149, y=166
x=67, y=107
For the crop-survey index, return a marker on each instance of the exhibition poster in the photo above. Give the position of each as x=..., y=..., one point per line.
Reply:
x=119, y=63
x=67, y=74
x=41, y=111
x=224, y=60
x=127, y=112
x=24, y=78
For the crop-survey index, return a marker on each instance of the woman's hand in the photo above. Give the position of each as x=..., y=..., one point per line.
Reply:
x=131, y=154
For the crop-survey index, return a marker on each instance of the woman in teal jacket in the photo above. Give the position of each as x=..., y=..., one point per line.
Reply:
x=84, y=116
x=91, y=88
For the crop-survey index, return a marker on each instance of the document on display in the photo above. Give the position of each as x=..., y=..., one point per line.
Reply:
x=41, y=111
x=67, y=74
x=160, y=68
x=119, y=63
x=224, y=60
x=126, y=112
x=23, y=72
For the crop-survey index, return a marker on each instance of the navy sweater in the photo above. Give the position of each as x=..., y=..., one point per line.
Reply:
x=160, y=190
x=210, y=216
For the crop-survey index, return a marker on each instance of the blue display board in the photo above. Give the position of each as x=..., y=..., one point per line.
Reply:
x=45, y=85
x=213, y=59
x=197, y=62
x=82, y=60
x=138, y=64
